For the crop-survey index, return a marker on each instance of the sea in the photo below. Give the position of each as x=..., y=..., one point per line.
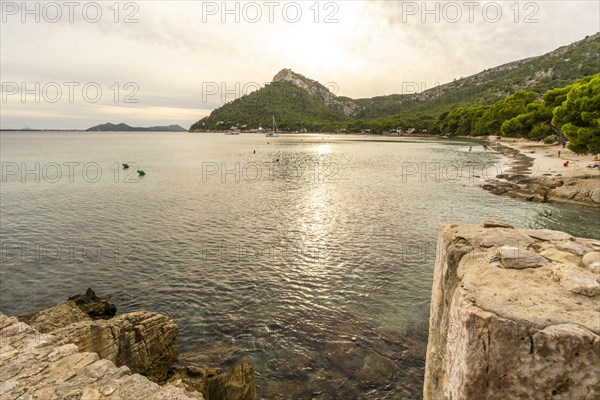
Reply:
x=309, y=255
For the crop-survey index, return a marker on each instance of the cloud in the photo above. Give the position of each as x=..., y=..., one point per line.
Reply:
x=174, y=49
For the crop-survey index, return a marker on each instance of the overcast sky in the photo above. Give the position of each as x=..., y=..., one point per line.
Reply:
x=163, y=62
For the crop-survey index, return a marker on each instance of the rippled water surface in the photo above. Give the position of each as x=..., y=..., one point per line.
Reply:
x=309, y=256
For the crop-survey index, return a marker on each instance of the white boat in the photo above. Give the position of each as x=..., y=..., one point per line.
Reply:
x=273, y=133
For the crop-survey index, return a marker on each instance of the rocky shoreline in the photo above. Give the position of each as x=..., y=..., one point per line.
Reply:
x=582, y=190
x=524, y=181
x=134, y=353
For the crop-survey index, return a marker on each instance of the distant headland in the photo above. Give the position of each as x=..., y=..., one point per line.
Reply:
x=109, y=127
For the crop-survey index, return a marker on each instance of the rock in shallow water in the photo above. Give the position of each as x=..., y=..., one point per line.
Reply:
x=236, y=383
x=142, y=342
x=94, y=306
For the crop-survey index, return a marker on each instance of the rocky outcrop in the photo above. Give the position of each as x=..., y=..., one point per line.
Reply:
x=94, y=306
x=34, y=365
x=342, y=104
x=142, y=341
x=578, y=190
x=59, y=316
x=514, y=314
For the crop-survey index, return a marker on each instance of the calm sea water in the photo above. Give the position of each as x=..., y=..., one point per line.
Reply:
x=310, y=256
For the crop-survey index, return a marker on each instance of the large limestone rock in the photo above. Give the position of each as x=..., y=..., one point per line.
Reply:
x=506, y=333
x=36, y=366
x=142, y=340
x=59, y=316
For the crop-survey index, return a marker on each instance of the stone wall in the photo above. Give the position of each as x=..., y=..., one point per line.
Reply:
x=515, y=314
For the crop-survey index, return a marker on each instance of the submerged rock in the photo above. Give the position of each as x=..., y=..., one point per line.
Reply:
x=236, y=383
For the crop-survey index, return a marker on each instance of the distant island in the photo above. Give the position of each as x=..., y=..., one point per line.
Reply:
x=109, y=127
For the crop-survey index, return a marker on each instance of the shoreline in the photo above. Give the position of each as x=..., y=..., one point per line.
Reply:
x=536, y=172
x=546, y=159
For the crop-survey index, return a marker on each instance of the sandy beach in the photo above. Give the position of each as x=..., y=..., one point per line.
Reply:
x=546, y=158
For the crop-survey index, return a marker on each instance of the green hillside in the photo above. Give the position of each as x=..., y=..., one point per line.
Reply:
x=294, y=109
x=556, y=69
x=301, y=103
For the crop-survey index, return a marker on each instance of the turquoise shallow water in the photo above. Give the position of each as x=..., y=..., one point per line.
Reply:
x=316, y=267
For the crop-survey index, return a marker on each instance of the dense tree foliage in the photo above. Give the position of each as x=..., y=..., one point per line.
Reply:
x=578, y=117
x=534, y=123
x=572, y=111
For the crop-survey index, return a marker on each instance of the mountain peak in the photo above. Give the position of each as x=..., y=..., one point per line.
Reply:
x=321, y=92
x=287, y=75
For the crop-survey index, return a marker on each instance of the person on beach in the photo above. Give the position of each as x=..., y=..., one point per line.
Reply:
x=559, y=154
x=566, y=164
x=470, y=148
